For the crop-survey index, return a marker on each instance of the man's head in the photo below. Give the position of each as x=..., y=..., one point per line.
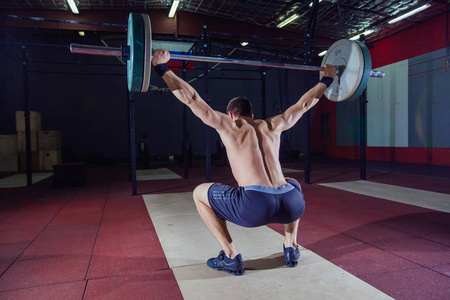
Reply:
x=240, y=106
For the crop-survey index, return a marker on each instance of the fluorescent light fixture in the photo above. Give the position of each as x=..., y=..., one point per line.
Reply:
x=243, y=44
x=310, y=5
x=322, y=53
x=288, y=20
x=81, y=33
x=367, y=32
x=414, y=11
x=174, y=7
x=73, y=6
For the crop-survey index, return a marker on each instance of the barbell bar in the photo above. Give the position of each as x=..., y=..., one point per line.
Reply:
x=351, y=58
x=122, y=52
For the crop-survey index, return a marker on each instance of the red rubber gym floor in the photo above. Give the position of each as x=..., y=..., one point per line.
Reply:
x=98, y=241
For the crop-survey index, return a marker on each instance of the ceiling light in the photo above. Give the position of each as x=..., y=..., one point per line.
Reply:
x=367, y=32
x=73, y=6
x=322, y=53
x=412, y=12
x=310, y=5
x=243, y=44
x=173, y=9
x=288, y=20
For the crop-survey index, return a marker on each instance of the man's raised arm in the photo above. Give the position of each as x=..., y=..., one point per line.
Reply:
x=185, y=92
x=291, y=116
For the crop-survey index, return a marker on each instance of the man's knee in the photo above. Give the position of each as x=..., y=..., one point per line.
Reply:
x=200, y=193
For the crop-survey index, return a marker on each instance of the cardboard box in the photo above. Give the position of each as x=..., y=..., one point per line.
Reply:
x=22, y=142
x=49, y=140
x=34, y=161
x=9, y=163
x=35, y=121
x=8, y=144
x=49, y=158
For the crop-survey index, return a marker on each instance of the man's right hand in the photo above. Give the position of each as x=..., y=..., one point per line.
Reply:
x=328, y=71
x=160, y=56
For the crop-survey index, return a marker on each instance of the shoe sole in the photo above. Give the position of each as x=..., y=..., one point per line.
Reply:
x=291, y=263
x=232, y=272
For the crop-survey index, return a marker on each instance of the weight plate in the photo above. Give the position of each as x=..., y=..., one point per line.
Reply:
x=353, y=64
x=147, y=53
x=135, y=40
x=366, y=73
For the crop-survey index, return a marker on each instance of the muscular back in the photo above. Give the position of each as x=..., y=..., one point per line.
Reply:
x=252, y=145
x=253, y=151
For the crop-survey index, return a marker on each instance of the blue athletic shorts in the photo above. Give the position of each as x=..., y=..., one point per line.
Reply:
x=254, y=205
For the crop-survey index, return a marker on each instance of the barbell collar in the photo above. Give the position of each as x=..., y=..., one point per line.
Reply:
x=125, y=52
x=377, y=74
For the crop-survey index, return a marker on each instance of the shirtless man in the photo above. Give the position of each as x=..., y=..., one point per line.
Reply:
x=264, y=195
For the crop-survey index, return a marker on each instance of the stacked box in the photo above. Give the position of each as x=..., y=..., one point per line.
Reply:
x=8, y=144
x=35, y=121
x=34, y=161
x=9, y=163
x=35, y=126
x=49, y=149
x=45, y=145
x=49, y=158
x=8, y=153
x=49, y=140
x=22, y=141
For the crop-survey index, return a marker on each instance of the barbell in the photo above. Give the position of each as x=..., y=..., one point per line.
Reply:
x=351, y=58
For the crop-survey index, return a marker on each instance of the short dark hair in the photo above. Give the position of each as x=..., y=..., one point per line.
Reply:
x=240, y=106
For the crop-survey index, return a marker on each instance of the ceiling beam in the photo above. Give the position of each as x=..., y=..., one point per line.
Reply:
x=185, y=24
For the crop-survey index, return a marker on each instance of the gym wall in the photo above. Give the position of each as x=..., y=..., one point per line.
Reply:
x=90, y=111
x=407, y=111
x=85, y=98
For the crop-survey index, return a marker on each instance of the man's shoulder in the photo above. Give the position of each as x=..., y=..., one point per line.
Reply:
x=265, y=123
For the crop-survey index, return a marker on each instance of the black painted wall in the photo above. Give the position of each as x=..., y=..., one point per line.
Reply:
x=85, y=97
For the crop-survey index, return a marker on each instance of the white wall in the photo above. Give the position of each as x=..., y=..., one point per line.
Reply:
x=387, y=107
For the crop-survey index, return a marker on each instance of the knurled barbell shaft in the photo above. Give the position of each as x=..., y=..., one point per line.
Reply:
x=113, y=51
x=244, y=62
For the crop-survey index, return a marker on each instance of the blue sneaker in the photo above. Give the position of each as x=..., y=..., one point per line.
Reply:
x=233, y=266
x=291, y=256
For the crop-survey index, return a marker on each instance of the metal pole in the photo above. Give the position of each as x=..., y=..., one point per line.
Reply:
x=132, y=141
x=308, y=120
x=206, y=97
x=263, y=95
x=62, y=21
x=26, y=94
x=185, y=130
x=309, y=36
x=362, y=128
x=362, y=134
x=308, y=143
x=130, y=169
